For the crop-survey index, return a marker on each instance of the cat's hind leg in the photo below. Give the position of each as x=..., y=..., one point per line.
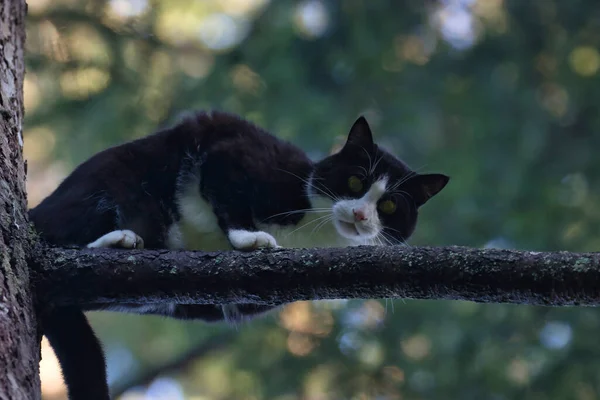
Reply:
x=125, y=239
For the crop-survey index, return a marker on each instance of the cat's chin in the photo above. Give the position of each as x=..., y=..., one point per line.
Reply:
x=351, y=231
x=347, y=229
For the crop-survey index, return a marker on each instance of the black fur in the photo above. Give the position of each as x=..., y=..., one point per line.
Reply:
x=247, y=175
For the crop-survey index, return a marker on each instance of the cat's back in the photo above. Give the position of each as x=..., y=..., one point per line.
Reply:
x=232, y=137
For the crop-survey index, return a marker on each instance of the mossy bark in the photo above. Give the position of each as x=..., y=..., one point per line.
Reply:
x=19, y=340
x=275, y=276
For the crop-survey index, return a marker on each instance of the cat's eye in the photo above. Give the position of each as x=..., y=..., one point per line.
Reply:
x=387, y=207
x=355, y=184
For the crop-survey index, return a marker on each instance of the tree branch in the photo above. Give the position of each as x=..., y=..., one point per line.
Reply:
x=80, y=276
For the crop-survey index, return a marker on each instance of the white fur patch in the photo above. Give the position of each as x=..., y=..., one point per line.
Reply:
x=246, y=240
x=175, y=238
x=198, y=228
x=367, y=227
x=125, y=239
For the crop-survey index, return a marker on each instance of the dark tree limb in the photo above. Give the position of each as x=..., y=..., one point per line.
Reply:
x=277, y=276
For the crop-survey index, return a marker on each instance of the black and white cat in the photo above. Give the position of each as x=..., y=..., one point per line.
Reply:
x=216, y=182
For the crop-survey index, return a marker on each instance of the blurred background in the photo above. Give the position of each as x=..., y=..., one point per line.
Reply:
x=502, y=95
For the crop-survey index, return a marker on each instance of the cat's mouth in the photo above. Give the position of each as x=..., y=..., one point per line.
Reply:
x=351, y=230
x=348, y=229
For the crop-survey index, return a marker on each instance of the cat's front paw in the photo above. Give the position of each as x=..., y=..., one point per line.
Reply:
x=131, y=240
x=124, y=239
x=247, y=240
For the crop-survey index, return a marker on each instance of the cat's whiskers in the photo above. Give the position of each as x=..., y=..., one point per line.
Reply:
x=306, y=210
x=403, y=180
x=391, y=301
x=382, y=237
x=317, y=196
x=329, y=193
x=309, y=183
x=408, y=176
x=385, y=239
x=418, y=169
x=404, y=196
x=393, y=240
x=370, y=160
x=308, y=223
x=397, y=240
x=321, y=224
x=365, y=174
x=377, y=161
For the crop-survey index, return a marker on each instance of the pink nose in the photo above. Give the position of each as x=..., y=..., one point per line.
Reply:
x=359, y=215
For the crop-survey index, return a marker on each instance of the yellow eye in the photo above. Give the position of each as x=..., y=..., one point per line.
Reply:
x=355, y=184
x=387, y=207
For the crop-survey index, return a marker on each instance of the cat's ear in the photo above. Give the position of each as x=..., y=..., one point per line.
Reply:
x=360, y=135
x=424, y=187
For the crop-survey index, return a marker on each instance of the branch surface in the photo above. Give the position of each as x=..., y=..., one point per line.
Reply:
x=69, y=276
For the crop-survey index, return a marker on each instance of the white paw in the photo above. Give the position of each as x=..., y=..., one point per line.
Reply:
x=247, y=240
x=130, y=240
x=124, y=239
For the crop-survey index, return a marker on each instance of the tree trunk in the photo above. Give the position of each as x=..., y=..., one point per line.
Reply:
x=19, y=339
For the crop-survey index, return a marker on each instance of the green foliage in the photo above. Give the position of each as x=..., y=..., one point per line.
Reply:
x=510, y=112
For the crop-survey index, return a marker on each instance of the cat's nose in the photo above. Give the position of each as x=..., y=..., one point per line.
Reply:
x=359, y=215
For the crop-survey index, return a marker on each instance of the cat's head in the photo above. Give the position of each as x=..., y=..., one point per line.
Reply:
x=374, y=196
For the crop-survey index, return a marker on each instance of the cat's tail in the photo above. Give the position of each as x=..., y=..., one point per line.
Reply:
x=79, y=353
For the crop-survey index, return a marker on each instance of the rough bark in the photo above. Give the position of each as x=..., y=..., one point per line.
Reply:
x=276, y=276
x=19, y=341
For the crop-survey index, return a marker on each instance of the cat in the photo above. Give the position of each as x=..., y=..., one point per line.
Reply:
x=215, y=181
